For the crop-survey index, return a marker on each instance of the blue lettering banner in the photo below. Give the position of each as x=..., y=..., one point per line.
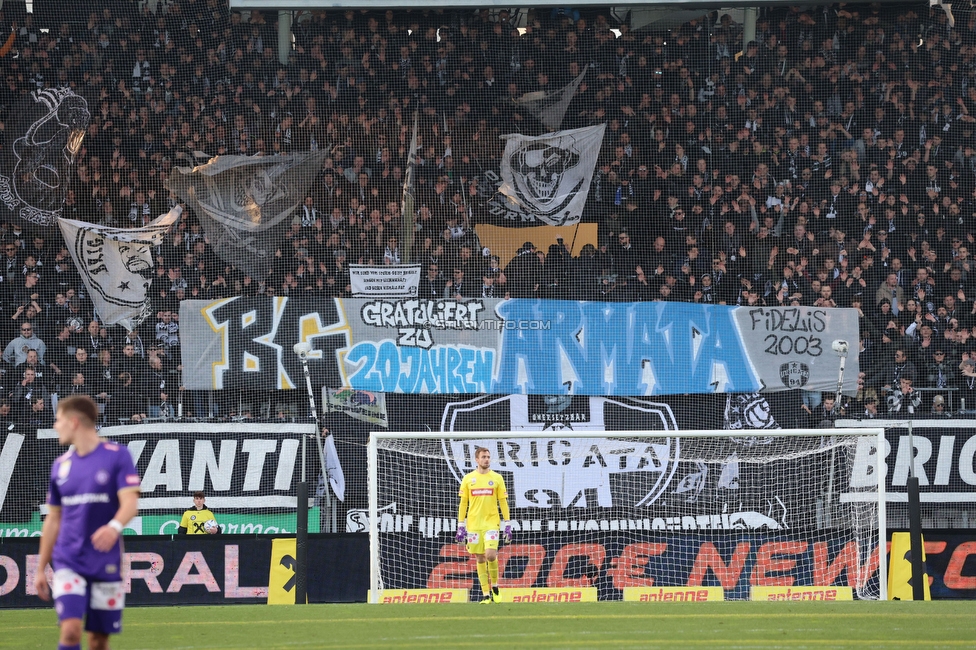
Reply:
x=540, y=347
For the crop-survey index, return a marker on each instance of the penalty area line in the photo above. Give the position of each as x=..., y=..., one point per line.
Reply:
x=510, y=616
x=615, y=642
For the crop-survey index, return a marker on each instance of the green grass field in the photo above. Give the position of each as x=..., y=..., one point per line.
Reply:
x=860, y=625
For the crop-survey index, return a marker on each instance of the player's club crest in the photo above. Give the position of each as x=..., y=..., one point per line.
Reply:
x=794, y=374
x=63, y=470
x=556, y=472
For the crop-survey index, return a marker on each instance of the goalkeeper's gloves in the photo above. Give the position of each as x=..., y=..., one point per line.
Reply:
x=507, y=532
x=462, y=532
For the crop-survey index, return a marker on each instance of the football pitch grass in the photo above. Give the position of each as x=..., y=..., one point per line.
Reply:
x=860, y=625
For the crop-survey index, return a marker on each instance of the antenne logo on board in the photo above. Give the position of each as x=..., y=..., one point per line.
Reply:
x=673, y=594
x=549, y=595
x=389, y=596
x=821, y=592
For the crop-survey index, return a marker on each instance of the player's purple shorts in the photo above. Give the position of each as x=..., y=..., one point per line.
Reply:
x=100, y=604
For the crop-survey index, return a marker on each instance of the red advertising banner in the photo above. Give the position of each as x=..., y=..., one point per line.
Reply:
x=226, y=570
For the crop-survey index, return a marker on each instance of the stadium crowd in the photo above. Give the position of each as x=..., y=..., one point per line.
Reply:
x=832, y=164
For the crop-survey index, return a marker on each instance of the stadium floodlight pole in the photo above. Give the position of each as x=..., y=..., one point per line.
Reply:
x=303, y=349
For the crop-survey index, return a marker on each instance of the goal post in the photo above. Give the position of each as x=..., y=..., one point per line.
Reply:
x=624, y=512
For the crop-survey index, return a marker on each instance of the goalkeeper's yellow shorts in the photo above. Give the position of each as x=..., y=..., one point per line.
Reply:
x=480, y=540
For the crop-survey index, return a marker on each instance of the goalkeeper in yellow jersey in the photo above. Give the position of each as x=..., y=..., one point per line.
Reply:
x=482, y=492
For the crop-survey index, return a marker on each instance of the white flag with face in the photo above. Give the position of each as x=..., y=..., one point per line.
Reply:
x=547, y=178
x=116, y=265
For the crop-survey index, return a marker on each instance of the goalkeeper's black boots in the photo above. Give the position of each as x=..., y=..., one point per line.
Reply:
x=495, y=597
x=488, y=599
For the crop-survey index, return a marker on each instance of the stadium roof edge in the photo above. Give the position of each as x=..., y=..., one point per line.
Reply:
x=306, y=5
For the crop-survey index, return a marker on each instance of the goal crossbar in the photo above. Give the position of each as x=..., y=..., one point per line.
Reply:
x=691, y=433
x=877, y=433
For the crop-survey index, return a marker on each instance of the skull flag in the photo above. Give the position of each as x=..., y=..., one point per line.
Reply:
x=44, y=134
x=547, y=178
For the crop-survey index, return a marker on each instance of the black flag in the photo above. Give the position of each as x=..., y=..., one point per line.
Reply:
x=43, y=136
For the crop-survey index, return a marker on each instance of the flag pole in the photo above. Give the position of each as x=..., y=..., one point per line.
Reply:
x=572, y=244
x=302, y=349
x=407, y=210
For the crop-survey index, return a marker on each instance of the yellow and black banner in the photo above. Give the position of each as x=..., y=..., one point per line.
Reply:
x=900, y=569
x=283, y=574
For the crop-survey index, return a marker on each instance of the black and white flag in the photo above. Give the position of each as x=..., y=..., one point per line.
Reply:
x=547, y=178
x=44, y=133
x=116, y=265
x=333, y=469
x=748, y=413
x=409, y=195
x=245, y=203
x=550, y=107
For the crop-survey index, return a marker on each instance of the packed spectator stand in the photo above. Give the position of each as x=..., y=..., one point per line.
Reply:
x=831, y=164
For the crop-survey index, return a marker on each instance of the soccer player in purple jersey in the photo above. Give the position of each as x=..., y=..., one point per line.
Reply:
x=93, y=493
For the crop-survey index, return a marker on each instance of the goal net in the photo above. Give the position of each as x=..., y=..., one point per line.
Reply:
x=609, y=511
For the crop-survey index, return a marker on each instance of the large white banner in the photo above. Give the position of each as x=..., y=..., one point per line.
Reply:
x=246, y=465
x=547, y=177
x=519, y=346
x=116, y=264
x=380, y=281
